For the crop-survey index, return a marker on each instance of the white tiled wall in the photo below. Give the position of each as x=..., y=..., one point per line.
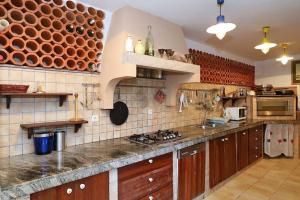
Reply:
x=14, y=141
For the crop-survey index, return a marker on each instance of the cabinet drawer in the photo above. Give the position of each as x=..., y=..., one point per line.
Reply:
x=258, y=130
x=142, y=185
x=145, y=166
x=255, y=156
x=165, y=193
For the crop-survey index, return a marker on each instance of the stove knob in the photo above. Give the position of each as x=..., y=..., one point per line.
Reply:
x=179, y=135
x=164, y=138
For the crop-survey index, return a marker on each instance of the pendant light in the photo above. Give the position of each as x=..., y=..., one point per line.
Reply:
x=265, y=45
x=284, y=59
x=221, y=28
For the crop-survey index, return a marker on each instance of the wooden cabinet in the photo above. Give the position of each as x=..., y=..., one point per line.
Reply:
x=191, y=180
x=222, y=159
x=242, y=149
x=147, y=179
x=91, y=188
x=255, y=143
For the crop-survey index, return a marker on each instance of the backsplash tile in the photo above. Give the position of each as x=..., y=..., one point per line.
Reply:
x=14, y=141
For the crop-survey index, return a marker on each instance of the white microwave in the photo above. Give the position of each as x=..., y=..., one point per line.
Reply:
x=236, y=113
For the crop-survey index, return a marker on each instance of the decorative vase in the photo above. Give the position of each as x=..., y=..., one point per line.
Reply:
x=139, y=47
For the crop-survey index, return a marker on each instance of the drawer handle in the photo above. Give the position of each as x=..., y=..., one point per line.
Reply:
x=194, y=153
x=150, y=180
x=151, y=198
x=256, y=148
x=256, y=138
x=226, y=139
x=256, y=130
x=82, y=186
x=69, y=191
x=150, y=161
x=244, y=133
x=223, y=140
x=256, y=156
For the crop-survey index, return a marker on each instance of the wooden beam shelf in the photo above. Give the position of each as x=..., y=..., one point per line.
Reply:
x=62, y=96
x=233, y=99
x=30, y=127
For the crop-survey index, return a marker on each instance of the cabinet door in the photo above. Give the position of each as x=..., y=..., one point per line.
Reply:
x=242, y=149
x=92, y=188
x=185, y=176
x=198, y=174
x=191, y=172
x=229, y=158
x=216, y=152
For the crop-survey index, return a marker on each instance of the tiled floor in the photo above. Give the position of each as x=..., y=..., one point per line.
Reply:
x=268, y=179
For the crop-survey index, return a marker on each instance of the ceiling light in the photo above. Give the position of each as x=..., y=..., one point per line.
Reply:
x=284, y=59
x=221, y=28
x=265, y=45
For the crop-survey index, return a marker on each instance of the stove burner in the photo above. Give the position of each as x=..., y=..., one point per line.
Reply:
x=156, y=137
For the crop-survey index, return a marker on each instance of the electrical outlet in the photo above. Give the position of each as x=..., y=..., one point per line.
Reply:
x=95, y=118
x=150, y=112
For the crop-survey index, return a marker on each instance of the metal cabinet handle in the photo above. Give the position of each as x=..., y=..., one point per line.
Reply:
x=223, y=140
x=82, y=186
x=150, y=180
x=244, y=133
x=69, y=191
x=256, y=130
x=256, y=148
x=226, y=139
x=256, y=138
x=151, y=198
x=194, y=153
x=150, y=161
x=256, y=156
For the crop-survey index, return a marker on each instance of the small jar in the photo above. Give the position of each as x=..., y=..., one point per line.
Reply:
x=139, y=47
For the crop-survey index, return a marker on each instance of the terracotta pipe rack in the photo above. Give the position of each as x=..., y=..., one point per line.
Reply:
x=32, y=60
x=39, y=34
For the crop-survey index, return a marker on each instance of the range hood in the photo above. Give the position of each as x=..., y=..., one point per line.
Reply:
x=119, y=65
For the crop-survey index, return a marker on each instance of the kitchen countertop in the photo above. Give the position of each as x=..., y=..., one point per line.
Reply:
x=26, y=174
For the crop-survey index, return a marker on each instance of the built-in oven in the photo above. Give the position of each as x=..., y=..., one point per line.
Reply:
x=275, y=106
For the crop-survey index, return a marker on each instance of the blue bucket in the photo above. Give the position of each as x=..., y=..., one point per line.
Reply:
x=43, y=143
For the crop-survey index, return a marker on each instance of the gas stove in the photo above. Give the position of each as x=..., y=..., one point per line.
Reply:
x=156, y=137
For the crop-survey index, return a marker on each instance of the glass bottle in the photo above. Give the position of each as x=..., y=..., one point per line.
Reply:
x=70, y=28
x=149, y=46
x=80, y=30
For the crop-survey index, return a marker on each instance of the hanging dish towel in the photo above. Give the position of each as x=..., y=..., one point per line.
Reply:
x=279, y=140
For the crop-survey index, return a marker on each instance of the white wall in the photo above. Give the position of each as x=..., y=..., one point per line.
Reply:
x=273, y=72
x=209, y=49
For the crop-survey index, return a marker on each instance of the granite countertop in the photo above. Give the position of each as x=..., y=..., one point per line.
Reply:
x=27, y=174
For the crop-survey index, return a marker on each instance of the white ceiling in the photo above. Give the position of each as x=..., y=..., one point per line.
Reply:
x=250, y=16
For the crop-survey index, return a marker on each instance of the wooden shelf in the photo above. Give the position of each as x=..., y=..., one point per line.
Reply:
x=62, y=96
x=233, y=99
x=30, y=127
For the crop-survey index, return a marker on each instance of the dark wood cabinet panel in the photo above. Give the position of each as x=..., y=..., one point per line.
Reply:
x=145, y=178
x=144, y=166
x=192, y=173
x=255, y=143
x=216, y=152
x=165, y=193
x=91, y=188
x=229, y=158
x=242, y=150
x=222, y=159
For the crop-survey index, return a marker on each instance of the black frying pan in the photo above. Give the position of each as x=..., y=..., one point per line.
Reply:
x=119, y=114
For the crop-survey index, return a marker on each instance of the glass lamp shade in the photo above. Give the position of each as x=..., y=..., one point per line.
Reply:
x=265, y=46
x=284, y=59
x=221, y=28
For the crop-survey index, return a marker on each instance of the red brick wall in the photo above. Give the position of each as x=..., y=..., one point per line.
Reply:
x=219, y=70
